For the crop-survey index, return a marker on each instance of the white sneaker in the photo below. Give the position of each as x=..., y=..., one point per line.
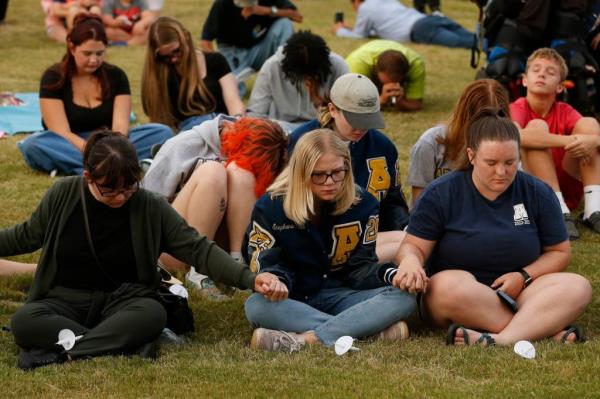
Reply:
x=205, y=286
x=396, y=332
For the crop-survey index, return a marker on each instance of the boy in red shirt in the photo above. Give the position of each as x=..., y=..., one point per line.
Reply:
x=558, y=144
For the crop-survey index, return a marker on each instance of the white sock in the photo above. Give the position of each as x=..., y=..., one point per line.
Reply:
x=591, y=196
x=237, y=255
x=563, y=205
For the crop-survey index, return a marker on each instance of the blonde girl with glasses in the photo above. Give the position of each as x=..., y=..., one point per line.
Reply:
x=316, y=230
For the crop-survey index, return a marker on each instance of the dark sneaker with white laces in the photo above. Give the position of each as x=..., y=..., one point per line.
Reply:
x=571, y=228
x=37, y=357
x=275, y=340
x=593, y=222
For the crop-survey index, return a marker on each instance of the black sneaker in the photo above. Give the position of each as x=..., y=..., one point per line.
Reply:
x=571, y=228
x=34, y=358
x=149, y=350
x=593, y=222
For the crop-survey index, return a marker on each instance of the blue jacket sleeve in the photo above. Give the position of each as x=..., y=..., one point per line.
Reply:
x=393, y=209
x=262, y=251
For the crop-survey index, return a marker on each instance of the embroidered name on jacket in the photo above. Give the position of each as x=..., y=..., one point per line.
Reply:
x=520, y=217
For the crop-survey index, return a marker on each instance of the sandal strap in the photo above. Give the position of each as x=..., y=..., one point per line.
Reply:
x=487, y=339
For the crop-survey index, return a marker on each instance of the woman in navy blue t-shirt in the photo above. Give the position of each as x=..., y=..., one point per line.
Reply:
x=486, y=229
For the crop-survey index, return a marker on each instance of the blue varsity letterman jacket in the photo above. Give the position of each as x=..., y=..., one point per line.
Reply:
x=375, y=168
x=341, y=252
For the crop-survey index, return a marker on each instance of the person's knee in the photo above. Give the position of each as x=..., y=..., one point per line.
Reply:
x=282, y=28
x=146, y=325
x=161, y=132
x=254, y=307
x=405, y=303
x=242, y=177
x=587, y=125
x=21, y=322
x=538, y=125
x=449, y=289
x=212, y=175
x=578, y=288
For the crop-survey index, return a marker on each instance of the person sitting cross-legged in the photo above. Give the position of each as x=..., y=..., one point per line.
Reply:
x=490, y=230
x=316, y=231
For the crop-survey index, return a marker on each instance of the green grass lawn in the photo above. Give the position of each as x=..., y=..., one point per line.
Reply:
x=217, y=361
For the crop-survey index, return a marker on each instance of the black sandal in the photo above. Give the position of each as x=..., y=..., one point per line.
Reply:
x=570, y=329
x=452, y=333
x=484, y=338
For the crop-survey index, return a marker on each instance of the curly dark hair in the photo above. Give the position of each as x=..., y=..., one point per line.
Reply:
x=306, y=55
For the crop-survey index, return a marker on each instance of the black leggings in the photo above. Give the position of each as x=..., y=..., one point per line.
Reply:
x=109, y=324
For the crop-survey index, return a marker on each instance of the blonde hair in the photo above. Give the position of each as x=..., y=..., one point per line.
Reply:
x=293, y=184
x=552, y=55
x=194, y=98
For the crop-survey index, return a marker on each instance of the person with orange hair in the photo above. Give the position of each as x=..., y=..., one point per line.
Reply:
x=213, y=174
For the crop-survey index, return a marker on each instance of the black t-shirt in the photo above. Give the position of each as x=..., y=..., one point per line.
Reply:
x=83, y=119
x=226, y=24
x=111, y=235
x=216, y=68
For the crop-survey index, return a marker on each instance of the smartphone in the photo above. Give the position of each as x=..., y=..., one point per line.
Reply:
x=339, y=17
x=508, y=301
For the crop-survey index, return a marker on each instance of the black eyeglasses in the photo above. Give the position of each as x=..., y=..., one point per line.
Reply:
x=168, y=57
x=321, y=177
x=111, y=193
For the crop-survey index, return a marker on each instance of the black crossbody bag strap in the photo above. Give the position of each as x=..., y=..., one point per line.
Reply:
x=88, y=234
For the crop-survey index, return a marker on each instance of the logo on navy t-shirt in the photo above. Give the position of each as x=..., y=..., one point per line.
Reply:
x=520, y=217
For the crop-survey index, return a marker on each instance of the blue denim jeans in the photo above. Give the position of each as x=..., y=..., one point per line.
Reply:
x=254, y=57
x=47, y=151
x=433, y=29
x=192, y=121
x=333, y=312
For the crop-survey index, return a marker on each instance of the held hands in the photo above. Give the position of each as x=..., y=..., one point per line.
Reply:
x=511, y=283
x=389, y=90
x=270, y=287
x=411, y=276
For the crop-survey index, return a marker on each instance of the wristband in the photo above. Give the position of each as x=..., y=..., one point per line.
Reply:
x=274, y=11
x=527, y=279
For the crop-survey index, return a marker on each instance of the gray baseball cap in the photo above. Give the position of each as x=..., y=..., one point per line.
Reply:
x=358, y=98
x=245, y=3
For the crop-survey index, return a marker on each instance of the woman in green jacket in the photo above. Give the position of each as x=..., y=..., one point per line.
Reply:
x=101, y=236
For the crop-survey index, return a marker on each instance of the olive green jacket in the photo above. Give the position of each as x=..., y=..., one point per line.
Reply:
x=155, y=228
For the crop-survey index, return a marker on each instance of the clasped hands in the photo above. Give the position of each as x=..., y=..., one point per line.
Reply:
x=269, y=286
x=411, y=277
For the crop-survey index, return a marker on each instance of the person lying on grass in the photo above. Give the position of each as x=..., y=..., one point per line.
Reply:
x=316, y=230
x=101, y=236
x=489, y=228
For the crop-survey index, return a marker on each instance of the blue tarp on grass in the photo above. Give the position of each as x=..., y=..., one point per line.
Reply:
x=23, y=118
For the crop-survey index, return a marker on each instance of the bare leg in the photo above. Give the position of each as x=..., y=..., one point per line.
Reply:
x=546, y=307
x=9, y=267
x=117, y=35
x=202, y=203
x=588, y=171
x=455, y=296
x=240, y=188
x=388, y=243
x=539, y=162
x=57, y=33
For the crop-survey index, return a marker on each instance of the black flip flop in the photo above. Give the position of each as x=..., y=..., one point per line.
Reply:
x=570, y=329
x=452, y=333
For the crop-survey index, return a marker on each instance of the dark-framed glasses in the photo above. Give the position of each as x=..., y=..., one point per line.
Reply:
x=321, y=177
x=111, y=193
x=169, y=56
